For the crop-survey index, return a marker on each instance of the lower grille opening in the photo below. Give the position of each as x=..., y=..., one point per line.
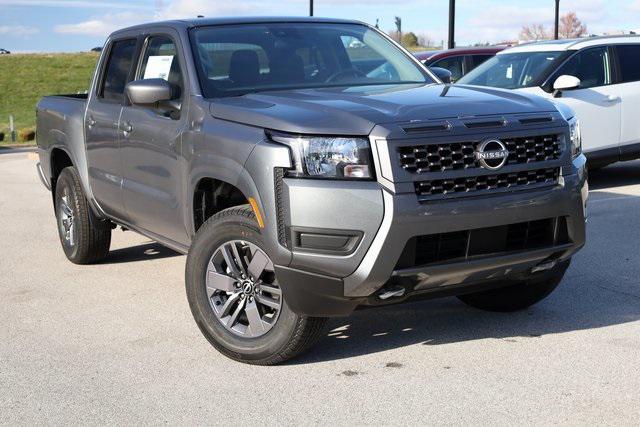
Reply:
x=500, y=240
x=439, y=188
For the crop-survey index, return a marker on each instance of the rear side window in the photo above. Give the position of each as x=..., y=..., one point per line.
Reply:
x=479, y=59
x=629, y=59
x=453, y=64
x=117, y=70
x=591, y=66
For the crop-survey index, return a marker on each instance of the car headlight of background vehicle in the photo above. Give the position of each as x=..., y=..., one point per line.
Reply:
x=327, y=156
x=576, y=137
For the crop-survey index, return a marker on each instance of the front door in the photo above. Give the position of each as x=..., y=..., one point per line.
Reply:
x=151, y=147
x=101, y=127
x=597, y=101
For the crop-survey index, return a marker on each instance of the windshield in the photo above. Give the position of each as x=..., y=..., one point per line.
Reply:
x=237, y=59
x=513, y=70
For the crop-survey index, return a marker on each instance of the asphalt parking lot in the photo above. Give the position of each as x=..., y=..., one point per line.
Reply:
x=115, y=343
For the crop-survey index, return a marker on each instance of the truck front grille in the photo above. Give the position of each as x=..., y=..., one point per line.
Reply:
x=461, y=155
x=477, y=184
x=490, y=241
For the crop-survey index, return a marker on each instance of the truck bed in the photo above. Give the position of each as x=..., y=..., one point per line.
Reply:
x=60, y=124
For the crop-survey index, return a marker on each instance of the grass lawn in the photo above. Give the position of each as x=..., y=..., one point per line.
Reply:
x=25, y=78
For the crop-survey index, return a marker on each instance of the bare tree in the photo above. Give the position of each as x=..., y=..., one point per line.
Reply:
x=425, y=40
x=571, y=27
x=534, y=32
x=394, y=35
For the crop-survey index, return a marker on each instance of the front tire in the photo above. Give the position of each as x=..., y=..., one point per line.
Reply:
x=84, y=237
x=234, y=295
x=520, y=295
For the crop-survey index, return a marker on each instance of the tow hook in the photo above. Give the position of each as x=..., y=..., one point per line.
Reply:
x=544, y=266
x=392, y=293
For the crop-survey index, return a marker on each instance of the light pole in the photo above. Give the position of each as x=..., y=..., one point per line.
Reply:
x=452, y=24
x=310, y=7
x=557, y=25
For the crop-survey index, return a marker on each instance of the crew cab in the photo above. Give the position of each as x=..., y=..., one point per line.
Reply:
x=310, y=167
x=597, y=77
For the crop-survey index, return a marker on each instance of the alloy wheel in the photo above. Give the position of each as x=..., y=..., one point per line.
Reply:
x=242, y=289
x=67, y=226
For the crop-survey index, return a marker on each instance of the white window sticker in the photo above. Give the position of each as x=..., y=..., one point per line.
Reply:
x=158, y=67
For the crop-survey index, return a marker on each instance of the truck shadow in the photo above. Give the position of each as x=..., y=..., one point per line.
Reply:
x=600, y=289
x=616, y=175
x=145, y=252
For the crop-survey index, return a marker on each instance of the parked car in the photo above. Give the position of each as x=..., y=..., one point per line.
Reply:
x=599, y=78
x=4, y=52
x=458, y=61
x=300, y=186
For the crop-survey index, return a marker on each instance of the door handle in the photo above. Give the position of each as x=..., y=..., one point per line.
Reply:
x=91, y=122
x=612, y=99
x=127, y=128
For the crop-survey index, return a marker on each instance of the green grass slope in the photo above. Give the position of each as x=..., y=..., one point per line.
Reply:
x=25, y=78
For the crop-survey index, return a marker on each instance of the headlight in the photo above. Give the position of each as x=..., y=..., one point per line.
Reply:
x=576, y=137
x=327, y=157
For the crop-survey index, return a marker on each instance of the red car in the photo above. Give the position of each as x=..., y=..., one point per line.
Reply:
x=458, y=61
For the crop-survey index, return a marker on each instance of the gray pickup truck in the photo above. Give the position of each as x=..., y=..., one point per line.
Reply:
x=309, y=167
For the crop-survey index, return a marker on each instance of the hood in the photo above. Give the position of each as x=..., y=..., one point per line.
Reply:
x=356, y=110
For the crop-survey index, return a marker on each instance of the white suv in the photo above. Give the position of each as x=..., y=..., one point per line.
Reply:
x=598, y=77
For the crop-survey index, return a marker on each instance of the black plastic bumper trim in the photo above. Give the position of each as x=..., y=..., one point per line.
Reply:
x=313, y=294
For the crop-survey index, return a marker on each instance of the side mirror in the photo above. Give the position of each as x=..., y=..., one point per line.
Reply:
x=565, y=82
x=442, y=73
x=149, y=91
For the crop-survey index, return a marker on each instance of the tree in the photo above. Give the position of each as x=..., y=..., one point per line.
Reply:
x=571, y=27
x=425, y=40
x=534, y=32
x=395, y=36
x=410, y=40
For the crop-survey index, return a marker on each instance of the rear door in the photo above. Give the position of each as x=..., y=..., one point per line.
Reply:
x=628, y=87
x=101, y=126
x=151, y=145
x=597, y=101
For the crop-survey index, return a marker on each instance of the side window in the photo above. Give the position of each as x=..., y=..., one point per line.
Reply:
x=479, y=59
x=117, y=70
x=629, y=59
x=591, y=66
x=453, y=64
x=160, y=61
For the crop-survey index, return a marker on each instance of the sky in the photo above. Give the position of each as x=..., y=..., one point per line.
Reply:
x=79, y=25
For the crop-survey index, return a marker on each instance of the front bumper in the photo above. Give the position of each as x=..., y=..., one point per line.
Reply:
x=319, y=284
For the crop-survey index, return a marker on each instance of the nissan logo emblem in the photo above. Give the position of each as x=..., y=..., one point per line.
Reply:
x=492, y=154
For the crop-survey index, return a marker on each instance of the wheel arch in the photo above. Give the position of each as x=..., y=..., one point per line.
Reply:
x=210, y=194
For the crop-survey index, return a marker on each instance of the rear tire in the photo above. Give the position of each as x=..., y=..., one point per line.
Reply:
x=520, y=295
x=211, y=282
x=84, y=237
